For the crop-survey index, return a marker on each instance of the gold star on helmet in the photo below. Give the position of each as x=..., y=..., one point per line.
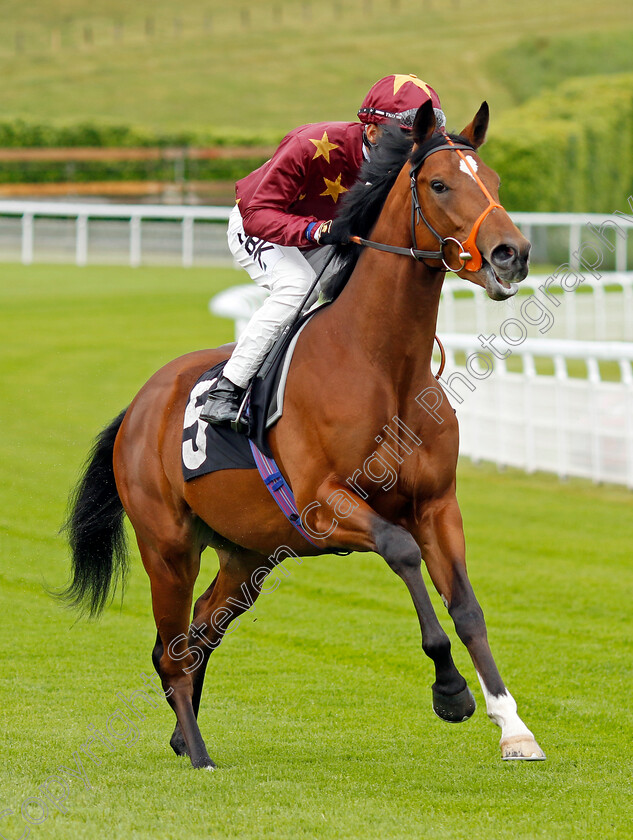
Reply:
x=323, y=147
x=399, y=80
x=334, y=188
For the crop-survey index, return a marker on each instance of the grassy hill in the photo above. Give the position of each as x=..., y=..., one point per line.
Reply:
x=262, y=68
x=537, y=64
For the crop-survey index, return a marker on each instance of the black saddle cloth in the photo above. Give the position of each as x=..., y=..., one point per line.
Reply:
x=207, y=448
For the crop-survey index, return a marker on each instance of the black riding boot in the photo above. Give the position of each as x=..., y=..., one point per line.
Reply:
x=223, y=403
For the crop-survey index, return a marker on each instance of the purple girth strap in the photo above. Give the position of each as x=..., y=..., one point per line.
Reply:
x=279, y=490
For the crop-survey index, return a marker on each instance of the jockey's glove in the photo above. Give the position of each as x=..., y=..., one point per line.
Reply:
x=325, y=233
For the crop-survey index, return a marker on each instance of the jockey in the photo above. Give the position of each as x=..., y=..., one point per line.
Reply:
x=284, y=213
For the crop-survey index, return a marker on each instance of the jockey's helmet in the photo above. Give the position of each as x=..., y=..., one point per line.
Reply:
x=397, y=98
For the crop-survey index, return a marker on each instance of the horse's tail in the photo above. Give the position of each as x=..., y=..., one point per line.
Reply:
x=95, y=530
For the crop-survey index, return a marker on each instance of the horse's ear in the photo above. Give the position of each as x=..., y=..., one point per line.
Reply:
x=424, y=123
x=475, y=132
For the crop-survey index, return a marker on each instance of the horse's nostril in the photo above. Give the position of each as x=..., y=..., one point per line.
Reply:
x=503, y=255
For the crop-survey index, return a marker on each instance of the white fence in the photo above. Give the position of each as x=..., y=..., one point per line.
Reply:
x=575, y=228
x=571, y=426
x=113, y=233
x=84, y=232
x=601, y=309
x=185, y=235
x=556, y=422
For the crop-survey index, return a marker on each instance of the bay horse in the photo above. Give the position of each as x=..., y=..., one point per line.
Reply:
x=361, y=373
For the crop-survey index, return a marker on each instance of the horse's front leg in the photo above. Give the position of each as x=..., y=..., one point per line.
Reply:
x=441, y=537
x=351, y=523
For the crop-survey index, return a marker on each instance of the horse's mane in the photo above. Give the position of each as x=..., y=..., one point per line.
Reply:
x=361, y=206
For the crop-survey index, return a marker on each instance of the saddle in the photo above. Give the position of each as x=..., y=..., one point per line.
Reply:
x=265, y=397
x=207, y=448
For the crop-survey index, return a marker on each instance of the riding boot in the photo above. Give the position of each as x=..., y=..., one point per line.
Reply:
x=223, y=403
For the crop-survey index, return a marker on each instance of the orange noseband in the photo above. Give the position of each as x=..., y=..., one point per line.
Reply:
x=476, y=260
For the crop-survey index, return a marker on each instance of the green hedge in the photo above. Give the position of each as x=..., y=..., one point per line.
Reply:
x=40, y=172
x=19, y=134
x=570, y=149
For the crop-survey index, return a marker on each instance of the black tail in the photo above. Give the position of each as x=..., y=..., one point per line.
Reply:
x=95, y=530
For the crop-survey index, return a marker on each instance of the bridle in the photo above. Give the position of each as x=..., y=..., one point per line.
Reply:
x=469, y=255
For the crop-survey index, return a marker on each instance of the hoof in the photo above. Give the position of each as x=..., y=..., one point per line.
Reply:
x=454, y=708
x=177, y=743
x=204, y=764
x=521, y=748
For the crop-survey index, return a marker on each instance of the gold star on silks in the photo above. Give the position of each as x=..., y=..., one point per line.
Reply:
x=334, y=188
x=399, y=80
x=323, y=147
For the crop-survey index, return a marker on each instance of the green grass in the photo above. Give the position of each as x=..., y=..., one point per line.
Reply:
x=317, y=708
x=294, y=61
x=540, y=62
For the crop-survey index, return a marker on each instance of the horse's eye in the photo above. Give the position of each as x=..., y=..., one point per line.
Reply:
x=438, y=186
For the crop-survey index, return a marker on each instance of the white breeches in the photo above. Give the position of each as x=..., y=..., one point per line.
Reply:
x=287, y=273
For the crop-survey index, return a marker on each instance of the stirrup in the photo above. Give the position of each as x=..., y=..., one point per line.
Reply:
x=242, y=425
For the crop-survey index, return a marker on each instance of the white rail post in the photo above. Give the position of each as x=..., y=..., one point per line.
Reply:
x=526, y=230
x=593, y=374
x=480, y=308
x=627, y=300
x=574, y=244
x=601, y=312
x=529, y=372
x=447, y=308
x=562, y=440
x=571, y=310
x=187, y=241
x=501, y=370
x=135, y=240
x=27, y=238
x=629, y=447
x=81, y=239
x=621, y=251
x=627, y=382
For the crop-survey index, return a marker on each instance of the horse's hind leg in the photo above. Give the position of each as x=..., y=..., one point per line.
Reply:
x=440, y=531
x=172, y=576
x=232, y=592
x=177, y=741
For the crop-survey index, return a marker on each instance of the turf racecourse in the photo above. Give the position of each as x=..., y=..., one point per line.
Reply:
x=317, y=708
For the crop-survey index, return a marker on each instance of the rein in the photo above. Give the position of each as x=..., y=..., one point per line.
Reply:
x=469, y=255
x=442, y=357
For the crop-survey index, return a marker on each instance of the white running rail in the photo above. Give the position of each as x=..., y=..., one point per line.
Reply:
x=80, y=216
x=571, y=421
x=601, y=310
x=74, y=223
x=605, y=312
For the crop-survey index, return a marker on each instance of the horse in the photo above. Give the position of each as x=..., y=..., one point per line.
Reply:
x=360, y=374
